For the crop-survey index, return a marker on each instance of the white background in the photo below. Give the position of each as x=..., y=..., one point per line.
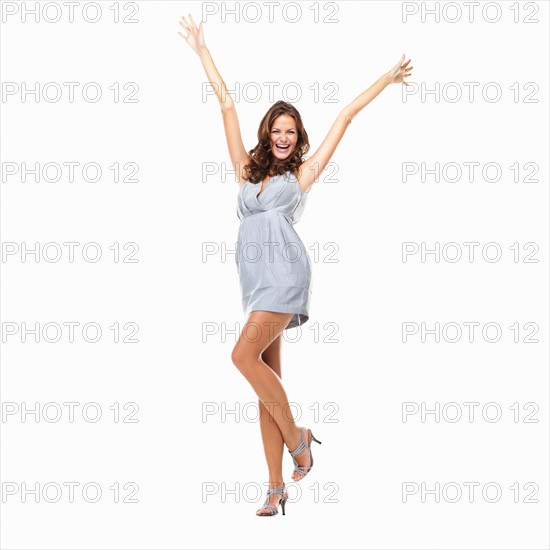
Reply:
x=350, y=357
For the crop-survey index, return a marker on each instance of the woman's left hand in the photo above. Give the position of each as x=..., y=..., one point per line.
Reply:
x=399, y=72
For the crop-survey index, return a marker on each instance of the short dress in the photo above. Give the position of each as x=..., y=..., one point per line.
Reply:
x=273, y=264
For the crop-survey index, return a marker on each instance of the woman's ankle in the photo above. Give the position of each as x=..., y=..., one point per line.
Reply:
x=275, y=484
x=296, y=439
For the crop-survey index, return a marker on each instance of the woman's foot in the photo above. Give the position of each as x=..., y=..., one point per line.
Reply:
x=304, y=457
x=271, y=504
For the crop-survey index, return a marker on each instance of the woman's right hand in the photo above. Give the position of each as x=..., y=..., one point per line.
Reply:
x=195, y=37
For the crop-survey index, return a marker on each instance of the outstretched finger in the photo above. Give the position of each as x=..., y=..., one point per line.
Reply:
x=400, y=62
x=185, y=21
x=191, y=17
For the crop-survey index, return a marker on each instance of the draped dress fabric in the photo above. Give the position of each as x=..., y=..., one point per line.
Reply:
x=273, y=264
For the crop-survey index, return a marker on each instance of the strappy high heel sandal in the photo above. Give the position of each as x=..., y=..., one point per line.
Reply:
x=303, y=470
x=282, y=501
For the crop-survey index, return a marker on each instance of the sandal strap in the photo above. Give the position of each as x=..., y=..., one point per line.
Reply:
x=302, y=470
x=271, y=508
x=300, y=447
x=278, y=491
x=298, y=450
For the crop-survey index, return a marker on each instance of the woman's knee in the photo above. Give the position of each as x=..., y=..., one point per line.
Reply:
x=243, y=357
x=261, y=330
x=236, y=356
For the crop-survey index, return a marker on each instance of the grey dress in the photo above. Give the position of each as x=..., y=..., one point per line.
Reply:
x=273, y=264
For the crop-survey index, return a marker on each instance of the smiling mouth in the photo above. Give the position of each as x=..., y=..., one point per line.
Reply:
x=282, y=148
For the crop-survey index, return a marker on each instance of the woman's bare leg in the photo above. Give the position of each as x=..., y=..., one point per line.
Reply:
x=260, y=330
x=271, y=435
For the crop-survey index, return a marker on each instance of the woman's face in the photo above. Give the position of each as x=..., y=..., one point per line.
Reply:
x=284, y=136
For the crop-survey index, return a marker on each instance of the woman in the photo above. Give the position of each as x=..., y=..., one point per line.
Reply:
x=273, y=264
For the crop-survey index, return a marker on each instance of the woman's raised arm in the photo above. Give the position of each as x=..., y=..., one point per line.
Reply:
x=237, y=152
x=311, y=168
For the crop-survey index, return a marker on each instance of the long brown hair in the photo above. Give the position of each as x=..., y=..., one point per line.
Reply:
x=262, y=161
